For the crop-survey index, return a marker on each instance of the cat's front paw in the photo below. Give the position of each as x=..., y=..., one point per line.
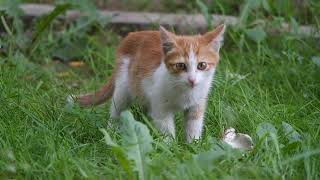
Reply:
x=168, y=139
x=190, y=139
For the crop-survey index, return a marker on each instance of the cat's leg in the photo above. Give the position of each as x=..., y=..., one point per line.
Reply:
x=119, y=102
x=194, y=121
x=163, y=121
x=121, y=97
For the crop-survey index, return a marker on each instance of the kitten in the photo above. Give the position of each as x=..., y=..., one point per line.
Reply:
x=166, y=73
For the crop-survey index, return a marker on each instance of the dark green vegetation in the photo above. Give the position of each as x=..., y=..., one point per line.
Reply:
x=304, y=10
x=267, y=86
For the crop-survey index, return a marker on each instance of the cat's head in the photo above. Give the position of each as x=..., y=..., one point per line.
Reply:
x=192, y=59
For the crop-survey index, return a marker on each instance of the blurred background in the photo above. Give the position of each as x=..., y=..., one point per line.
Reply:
x=29, y=20
x=305, y=11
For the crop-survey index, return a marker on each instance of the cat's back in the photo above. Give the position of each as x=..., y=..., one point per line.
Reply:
x=141, y=44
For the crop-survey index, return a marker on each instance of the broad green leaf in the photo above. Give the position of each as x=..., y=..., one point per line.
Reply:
x=291, y=134
x=265, y=128
x=118, y=152
x=137, y=141
x=257, y=34
x=290, y=147
x=275, y=141
x=205, y=160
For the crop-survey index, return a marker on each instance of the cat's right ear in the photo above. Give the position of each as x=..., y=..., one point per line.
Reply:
x=215, y=38
x=167, y=40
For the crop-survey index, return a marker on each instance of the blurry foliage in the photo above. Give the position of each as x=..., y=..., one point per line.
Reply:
x=68, y=41
x=305, y=11
x=63, y=41
x=205, y=11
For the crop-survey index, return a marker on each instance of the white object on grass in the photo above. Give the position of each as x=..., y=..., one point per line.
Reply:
x=237, y=140
x=70, y=100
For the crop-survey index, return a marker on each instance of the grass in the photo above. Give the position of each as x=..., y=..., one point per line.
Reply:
x=258, y=87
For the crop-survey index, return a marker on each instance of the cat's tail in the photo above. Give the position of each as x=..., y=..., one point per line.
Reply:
x=94, y=98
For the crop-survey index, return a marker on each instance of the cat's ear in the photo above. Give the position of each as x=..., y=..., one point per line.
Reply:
x=167, y=40
x=215, y=38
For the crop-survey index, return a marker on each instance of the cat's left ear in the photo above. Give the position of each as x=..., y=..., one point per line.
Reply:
x=215, y=38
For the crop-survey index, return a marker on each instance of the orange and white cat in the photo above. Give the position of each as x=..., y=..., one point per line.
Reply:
x=166, y=73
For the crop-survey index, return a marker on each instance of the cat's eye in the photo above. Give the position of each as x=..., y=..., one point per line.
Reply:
x=202, y=66
x=181, y=66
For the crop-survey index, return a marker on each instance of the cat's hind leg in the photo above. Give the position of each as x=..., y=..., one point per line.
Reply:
x=121, y=97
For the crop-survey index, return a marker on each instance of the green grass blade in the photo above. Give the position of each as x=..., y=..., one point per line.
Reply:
x=44, y=22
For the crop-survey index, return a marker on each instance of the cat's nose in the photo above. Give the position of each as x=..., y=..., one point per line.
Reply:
x=191, y=81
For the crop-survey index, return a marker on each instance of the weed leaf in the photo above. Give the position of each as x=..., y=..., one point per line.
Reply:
x=265, y=128
x=205, y=160
x=137, y=141
x=291, y=134
x=257, y=34
x=119, y=153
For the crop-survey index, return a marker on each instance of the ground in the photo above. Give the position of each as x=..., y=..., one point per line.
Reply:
x=269, y=89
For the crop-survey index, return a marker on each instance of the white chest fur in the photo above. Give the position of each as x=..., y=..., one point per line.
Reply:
x=169, y=93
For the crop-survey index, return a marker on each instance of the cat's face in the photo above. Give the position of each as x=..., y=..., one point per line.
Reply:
x=191, y=60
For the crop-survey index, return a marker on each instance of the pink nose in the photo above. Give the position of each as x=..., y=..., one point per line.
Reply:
x=191, y=81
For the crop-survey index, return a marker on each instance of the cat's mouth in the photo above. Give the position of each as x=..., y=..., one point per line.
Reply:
x=191, y=82
x=191, y=85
